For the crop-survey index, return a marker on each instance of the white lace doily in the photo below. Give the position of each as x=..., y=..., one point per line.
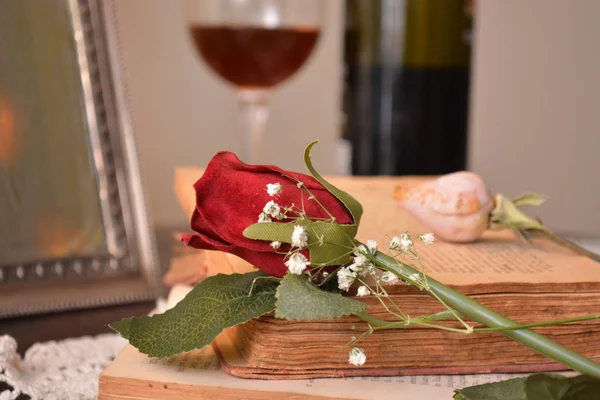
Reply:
x=63, y=370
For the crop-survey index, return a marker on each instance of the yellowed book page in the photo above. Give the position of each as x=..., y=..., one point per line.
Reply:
x=498, y=258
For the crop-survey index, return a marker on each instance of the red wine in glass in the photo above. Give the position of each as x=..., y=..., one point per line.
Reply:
x=254, y=57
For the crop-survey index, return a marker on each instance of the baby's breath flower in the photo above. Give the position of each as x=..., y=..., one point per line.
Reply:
x=371, y=270
x=361, y=250
x=427, y=238
x=372, y=246
x=346, y=278
x=361, y=260
x=362, y=265
x=394, y=243
x=363, y=291
x=299, y=237
x=389, y=278
x=297, y=263
x=264, y=217
x=275, y=244
x=272, y=209
x=274, y=189
x=325, y=274
x=415, y=277
x=368, y=270
x=405, y=242
x=357, y=356
x=299, y=184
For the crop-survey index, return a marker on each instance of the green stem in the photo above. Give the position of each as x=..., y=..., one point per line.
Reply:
x=378, y=324
x=479, y=313
x=537, y=324
x=568, y=244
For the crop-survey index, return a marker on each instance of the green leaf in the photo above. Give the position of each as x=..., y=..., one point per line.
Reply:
x=583, y=387
x=535, y=387
x=328, y=244
x=214, y=304
x=299, y=299
x=353, y=206
x=546, y=387
x=529, y=199
x=512, y=389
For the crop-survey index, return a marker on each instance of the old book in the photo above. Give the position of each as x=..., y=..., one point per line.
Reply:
x=198, y=375
x=527, y=283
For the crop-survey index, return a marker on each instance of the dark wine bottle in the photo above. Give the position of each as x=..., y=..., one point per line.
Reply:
x=407, y=85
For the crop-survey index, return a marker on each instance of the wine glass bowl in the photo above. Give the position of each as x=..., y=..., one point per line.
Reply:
x=254, y=57
x=254, y=45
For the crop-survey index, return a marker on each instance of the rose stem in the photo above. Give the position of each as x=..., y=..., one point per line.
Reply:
x=479, y=313
x=568, y=244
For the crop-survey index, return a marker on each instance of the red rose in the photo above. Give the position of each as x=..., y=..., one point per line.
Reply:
x=231, y=195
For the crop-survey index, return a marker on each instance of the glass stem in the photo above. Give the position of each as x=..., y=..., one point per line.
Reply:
x=254, y=112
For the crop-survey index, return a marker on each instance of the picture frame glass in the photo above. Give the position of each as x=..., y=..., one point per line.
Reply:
x=49, y=198
x=74, y=232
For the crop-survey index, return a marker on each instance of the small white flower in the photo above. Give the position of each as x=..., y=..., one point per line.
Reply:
x=297, y=263
x=276, y=244
x=263, y=217
x=299, y=237
x=361, y=250
x=346, y=278
x=274, y=189
x=427, y=238
x=363, y=291
x=357, y=357
x=415, y=277
x=372, y=246
x=354, y=268
x=361, y=260
x=389, y=278
x=405, y=242
x=369, y=270
x=362, y=265
x=394, y=243
x=272, y=209
x=299, y=184
x=325, y=274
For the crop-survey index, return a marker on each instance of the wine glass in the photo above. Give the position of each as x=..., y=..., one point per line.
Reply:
x=254, y=45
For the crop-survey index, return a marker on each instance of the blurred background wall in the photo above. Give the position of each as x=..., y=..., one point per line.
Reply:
x=183, y=113
x=535, y=106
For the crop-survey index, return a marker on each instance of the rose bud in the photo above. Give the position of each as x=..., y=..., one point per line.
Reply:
x=232, y=196
x=455, y=207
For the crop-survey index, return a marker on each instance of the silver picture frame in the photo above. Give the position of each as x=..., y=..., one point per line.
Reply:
x=127, y=271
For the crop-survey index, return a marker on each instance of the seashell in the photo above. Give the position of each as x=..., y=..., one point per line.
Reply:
x=455, y=207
